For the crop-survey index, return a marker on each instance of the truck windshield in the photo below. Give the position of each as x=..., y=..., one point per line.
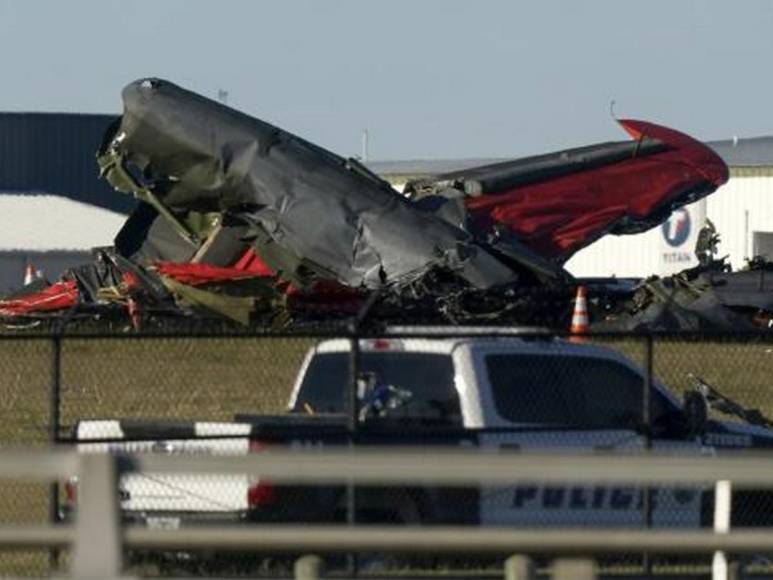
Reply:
x=429, y=377
x=567, y=390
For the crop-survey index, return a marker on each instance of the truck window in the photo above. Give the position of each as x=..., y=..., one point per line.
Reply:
x=429, y=377
x=566, y=390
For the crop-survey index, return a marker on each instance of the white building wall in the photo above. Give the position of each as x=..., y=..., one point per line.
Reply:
x=741, y=207
x=737, y=209
x=621, y=256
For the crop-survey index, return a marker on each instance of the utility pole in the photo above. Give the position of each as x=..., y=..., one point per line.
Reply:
x=365, y=144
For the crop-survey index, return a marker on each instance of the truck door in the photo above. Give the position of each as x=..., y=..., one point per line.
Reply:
x=576, y=403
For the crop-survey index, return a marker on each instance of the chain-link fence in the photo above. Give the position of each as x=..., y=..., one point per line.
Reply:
x=493, y=389
x=26, y=384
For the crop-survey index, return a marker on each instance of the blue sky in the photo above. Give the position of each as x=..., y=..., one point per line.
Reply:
x=428, y=79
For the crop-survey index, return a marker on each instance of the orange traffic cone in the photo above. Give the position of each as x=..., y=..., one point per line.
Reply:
x=579, y=325
x=29, y=274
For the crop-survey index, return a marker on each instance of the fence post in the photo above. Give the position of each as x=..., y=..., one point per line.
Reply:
x=97, y=551
x=354, y=360
x=54, y=419
x=354, y=411
x=519, y=567
x=351, y=495
x=574, y=569
x=354, y=373
x=646, y=410
x=55, y=399
x=722, y=507
x=308, y=568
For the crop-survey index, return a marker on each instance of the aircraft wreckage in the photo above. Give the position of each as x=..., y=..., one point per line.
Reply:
x=240, y=220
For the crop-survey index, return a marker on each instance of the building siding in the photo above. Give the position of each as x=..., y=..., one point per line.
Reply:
x=749, y=192
x=55, y=153
x=739, y=208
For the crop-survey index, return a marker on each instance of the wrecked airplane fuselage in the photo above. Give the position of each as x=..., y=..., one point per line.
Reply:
x=238, y=217
x=306, y=211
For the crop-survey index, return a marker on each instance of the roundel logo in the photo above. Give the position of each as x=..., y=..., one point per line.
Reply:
x=676, y=229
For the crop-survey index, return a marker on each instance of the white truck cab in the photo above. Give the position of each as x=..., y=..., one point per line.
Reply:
x=516, y=394
x=487, y=383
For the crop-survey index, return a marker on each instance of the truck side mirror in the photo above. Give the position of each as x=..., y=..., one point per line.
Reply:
x=696, y=413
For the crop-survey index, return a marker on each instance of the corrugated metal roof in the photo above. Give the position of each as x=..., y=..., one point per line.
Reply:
x=53, y=222
x=54, y=153
x=427, y=166
x=748, y=152
x=751, y=152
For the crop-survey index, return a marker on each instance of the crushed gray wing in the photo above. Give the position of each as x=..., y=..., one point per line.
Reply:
x=307, y=210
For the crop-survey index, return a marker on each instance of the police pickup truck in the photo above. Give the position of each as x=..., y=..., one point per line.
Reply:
x=492, y=393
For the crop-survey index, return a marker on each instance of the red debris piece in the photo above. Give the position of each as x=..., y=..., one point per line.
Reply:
x=248, y=266
x=130, y=280
x=559, y=216
x=134, y=313
x=325, y=296
x=251, y=262
x=56, y=297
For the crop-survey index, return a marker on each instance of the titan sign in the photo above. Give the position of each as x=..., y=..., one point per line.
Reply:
x=679, y=233
x=677, y=228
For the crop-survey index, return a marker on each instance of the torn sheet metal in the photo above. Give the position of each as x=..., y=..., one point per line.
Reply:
x=677, y=304
x=181, y=152
x=709, y=296
x=701, y=298
x=559, y=203
x=109, y=278
x=241, y=220
x=745, y=288
x=52, y=298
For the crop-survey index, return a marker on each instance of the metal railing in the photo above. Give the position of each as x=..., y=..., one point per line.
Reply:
x=98, y=540
x=71, y=370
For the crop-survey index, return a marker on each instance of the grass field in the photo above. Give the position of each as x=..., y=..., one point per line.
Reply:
x=213, y=379
x=207, y=379
x=739, y=368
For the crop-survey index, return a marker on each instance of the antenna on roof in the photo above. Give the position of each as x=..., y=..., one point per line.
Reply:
x=612, y=109
x=365, y=144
